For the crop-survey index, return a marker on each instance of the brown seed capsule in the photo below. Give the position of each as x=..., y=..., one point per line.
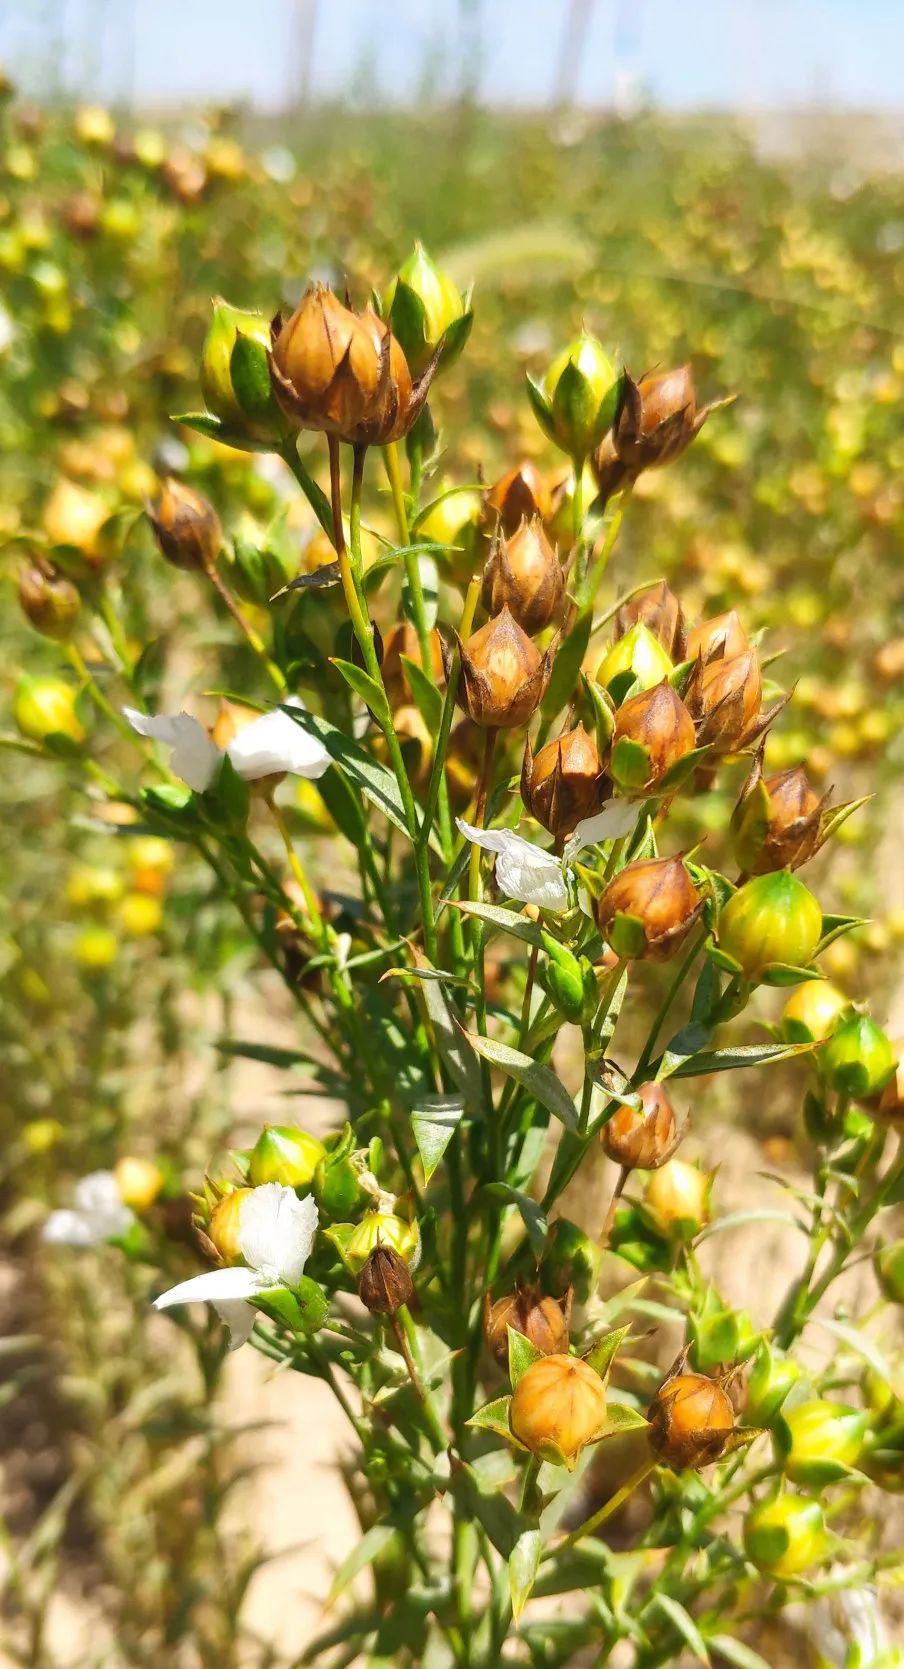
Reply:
x=659, y=610
x=657, y=419
x=558, y=1406
x=648, y=909
x=657, y=722
x=723, y=698
x=187, y=527
x=80, y=214
x=385, y=1283
x=503, y=674
x=525, y=575
x=563, y=783
x=722, y=635
x=49, y=602
x=343, y=372
x=643, y=1140
x=403, y=640
x=691, y=1419
x=517, y=496
x=544, y=1321
x=777, y=822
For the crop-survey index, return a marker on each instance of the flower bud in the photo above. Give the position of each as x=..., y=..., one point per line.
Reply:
x=344, y=373
x=659, y=610
x=517, y=496
x=786, y=1536
x=49, y=602
x=643, y=1139
x=677, y=1199
x=503, y=674
x=812, y=1011
x=563, y=783
x=283, y=1153
x=648, y=909
x=403, y=640
x=46, y=707
x=572, y=1261
x=637, y=657
x=719, y=1334
x=723, y=698
x=223, y=1228
x=653, y=731
x=426, y=313
x=768, y=1383
x=385, y=1283
x=337, y=1187
x=579, y=397
x=139, y=1181
x=382, y=1228
x=776, y=823
x=857, y=1059
x=525, y=576
x=722, y=636
x=543, y=1321
x=186, y=526
x=889, y=1266
x=771, y=921
x=657, y=419
x=235, y=373
x=691, y=1418
x=558, y=1407
x=819, y=1441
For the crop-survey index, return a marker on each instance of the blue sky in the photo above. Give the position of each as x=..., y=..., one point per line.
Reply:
x=736, y=53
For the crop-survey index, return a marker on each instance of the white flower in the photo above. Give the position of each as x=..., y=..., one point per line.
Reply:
x=533, y=876
x=845, y=1619
x=268, y=745
x=96, y=1214
x=275, y=1235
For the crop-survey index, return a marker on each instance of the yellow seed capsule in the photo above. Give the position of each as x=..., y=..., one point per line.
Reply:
x=140, y=915
x=677, y=1197
x=691, y=1418
x=139, y=1182
x=224, y=1226
x=558, y=1407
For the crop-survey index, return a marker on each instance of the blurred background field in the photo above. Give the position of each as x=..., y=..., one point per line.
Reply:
x=738, y=203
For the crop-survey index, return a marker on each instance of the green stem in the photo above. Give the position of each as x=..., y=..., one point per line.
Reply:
x=252, y=637
x=595, y=578
x=607, y=1510
x=90, y=683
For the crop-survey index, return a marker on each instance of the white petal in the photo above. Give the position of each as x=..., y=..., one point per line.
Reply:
x=615, y=820
x=96, y=1192
x=213, y=1287
x=274, y=742
x=238, y=1317
x=196, y=759
x=276, y=1233
x=523, y=871
x=71, y=1228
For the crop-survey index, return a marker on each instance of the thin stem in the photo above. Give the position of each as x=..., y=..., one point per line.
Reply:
x=665, y=1006
x=90, y=683
x=406, y=1339
x=311, y=901
x=595, y=578
x=245, y=627
x=607, y=1510
x=437, y=771
x=617, y=1192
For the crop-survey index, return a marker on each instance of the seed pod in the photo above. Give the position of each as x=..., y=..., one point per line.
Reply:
x=427, y=314
x=524, y=575
x=400, y=640
x=344, y=373
x=49, y=601
x=643, y=1139
x=858, y=1059
x=385, y=1283
x=75, y=516
x=721, y=637
x=659, y=610
x=812, y=1011
x=723, y=698
x=503, y=674
x=769, y=1381
x=777, y=822
x=648, y=909
x=558, y=1407
x=818, y=1442
x=691, y=1419
x=785, y=1536
x=677, y=1199
x=517, y=496
x=139, y=1181
x=563, y=783
x=186, y=526
x=637, y=657
x=382, y=1228
x=572, y=1261
x=579, y=397
x=772, y=920
x=285, y=1154
x=46, y=707
x=543, y=1321
x=657, y=419
x=235, y=373
x=653, y=731
x=223, y=1228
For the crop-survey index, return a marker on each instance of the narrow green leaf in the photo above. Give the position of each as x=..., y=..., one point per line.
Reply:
x=523, y=1566
x=530, y=932
x=600, y=1357
x=531, y=1213
x=566, y=666
x=451, y=1038
x=521, y=1355
x=864, y=1347
x=373, y=779
x=734, y=1651
x=434, y=1123
x=370, y=692
x=427, y=698
x=735, y=1060
x=374, y=1542
x=685, y=1625
x=762, y=1214
x=620, y=1419
x=493, y=1416
x=540, y=1081
x=204, y=424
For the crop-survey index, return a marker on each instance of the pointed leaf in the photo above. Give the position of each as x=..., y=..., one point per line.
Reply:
x=620, y=1419
x=735, y=1652
x=371, y=693
x=531, y=1213
x=493, y=1416
x=451, y=1039
x=434, y=1123
x=566, y=666
x=373, y=779
x=684, y=1623
x=734, y=1060
x=530, y=932
x=540, y=1081
x=214, y=429
x=427, y=698
x=523, y=1566
x=600, y=1357
x=521, y=1355
x=372, y=1544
